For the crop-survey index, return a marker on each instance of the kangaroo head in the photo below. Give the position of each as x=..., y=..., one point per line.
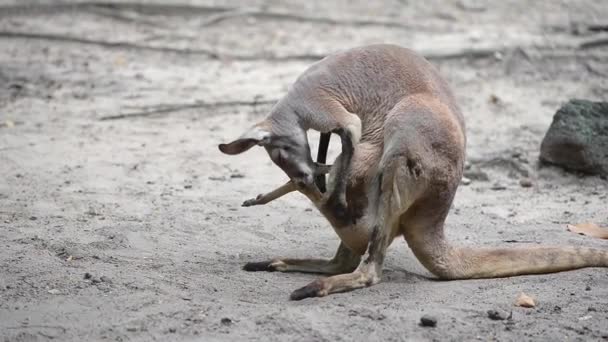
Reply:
x=288, y=149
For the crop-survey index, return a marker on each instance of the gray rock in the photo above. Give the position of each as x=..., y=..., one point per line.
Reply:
x=578, y=138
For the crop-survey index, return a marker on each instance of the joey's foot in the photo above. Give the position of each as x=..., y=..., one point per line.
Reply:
x=314, y=289
x=268, y=266
x=252, y=201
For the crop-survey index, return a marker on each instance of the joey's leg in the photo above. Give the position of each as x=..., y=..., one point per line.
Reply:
x=367, y=273
x=330, y=116
x=322, y=158
x=335, y=202
x=320, y=170
x=344, y=261
x=271, y=196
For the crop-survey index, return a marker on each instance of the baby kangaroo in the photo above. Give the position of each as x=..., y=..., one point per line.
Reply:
x=403, y=151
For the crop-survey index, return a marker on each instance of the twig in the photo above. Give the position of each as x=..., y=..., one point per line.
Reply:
x=51, y=8
x=123, y=16
x=594, y=43
x=462, y=53
x=303, y=18
x=62, y=329
x=63, y=38
x=598, y=28
x=593, y=70
x=214, y=19
x=205, y=52
x=175, y=108
x=223, y=13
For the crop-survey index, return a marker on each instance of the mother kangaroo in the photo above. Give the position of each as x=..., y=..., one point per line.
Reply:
x=403, y=151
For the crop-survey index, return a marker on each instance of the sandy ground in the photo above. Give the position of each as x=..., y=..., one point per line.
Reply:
x=148, y=209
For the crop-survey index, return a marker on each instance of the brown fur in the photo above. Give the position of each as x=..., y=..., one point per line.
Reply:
x=402, y=175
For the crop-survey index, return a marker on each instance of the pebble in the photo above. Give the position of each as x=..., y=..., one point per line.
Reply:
x=105, y=279
x=54, y=291
x=526, y=183
x=428, y=321
x=465, y=181
x=88, y=275
x=226, y=321
x=496, y=315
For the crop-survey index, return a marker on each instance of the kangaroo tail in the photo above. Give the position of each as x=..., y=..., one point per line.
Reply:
x=448, y=262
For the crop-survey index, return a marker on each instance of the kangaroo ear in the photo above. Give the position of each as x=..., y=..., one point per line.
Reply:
x=254, y=136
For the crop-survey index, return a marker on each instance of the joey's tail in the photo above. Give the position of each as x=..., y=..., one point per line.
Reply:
x=449, y=262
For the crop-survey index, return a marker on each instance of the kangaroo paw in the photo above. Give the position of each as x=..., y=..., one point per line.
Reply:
x=252, y=201
x=314, y=289
x=268, y=266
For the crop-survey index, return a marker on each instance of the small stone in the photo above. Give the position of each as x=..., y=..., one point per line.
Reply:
x=54, y=291
x=525, y=301
x=105, y=279
x=226, y=321
x=33, y=218
x=95, y=280
x=237, y=175
x=496, y=315
x=591, y=309
x=188, y=186
x=588, y=288
x=88, y=275
x=465, y=181
x=172, y=330
x=308, y=209
x=526, y=183
x=494, y=99
x=428, y=321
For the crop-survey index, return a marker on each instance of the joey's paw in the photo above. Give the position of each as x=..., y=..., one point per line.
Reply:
x=268, y=266
x=252, y=201
x=314, y=289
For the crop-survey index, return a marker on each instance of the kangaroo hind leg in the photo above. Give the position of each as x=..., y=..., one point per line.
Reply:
x=384, y=225
x=344, y=261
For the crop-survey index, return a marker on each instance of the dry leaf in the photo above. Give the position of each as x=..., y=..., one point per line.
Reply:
x=525, y=301
x=590, y=229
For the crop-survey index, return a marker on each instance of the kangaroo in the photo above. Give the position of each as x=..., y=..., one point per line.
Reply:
x=403, y=151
